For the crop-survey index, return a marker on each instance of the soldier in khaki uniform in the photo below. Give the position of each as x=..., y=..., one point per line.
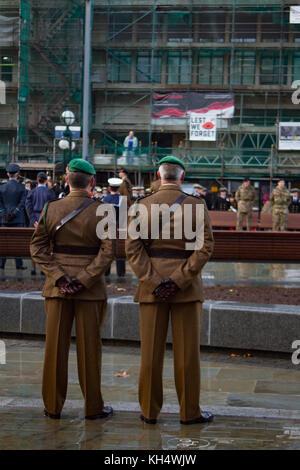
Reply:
x=126, y=186
x=170, y=287
x=155, y=186
x=245, y=197
x=74, y=260
x=280, y=201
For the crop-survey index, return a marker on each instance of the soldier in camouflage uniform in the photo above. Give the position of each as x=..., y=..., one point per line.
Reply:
x=245, y=197
x=280, y=201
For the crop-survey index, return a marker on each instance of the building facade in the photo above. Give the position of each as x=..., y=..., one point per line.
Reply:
x=145, y=48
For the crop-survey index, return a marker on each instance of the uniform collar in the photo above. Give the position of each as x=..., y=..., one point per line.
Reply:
x=170, y=186
x=78, y=193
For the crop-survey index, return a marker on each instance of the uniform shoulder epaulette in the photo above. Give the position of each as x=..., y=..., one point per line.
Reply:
x=194, y=196
x=140, y=198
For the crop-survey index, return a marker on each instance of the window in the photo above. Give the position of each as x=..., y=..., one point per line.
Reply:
x=244, y=28
x=145, y=72
x=243, y=68
x=211, y=26
x=6, y=69
x=210, y=69
x=271, y=71
x=147, y=25
x=296, y=66
x=180, y=27
x=179, y=67
x=119, y=67
x=120, y=27
x=271, y=28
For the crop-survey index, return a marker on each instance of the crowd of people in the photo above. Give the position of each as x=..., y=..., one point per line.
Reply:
x=66, y=246
x=22, y=201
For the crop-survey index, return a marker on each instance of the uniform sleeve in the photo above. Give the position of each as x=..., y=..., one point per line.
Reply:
x=28, y=204
x=237, y=195
x=184, y=274
x=91, y=273
x=2, y=206
x=272, y=198
x=40, y=250
x=21, y=205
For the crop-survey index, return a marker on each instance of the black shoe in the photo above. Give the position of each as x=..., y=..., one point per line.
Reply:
x=105, y=413
x=205, y=417
x=148, y=420
x=51, y=415
x=22, y=268
x=33, y=273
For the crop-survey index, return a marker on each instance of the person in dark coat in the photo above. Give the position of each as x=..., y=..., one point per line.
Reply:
x=36, y=199
x=115, y=199
x=12, y=204
x=222, y=202
x=294, y=207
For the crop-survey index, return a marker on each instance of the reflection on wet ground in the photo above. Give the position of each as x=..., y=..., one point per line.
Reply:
x=249, y=390
x=27, y=429
x=214, y=273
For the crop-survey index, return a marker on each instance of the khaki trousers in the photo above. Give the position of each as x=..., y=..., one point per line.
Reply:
x=89, y=317
x=240, y=220
x=280, y=220
x=186, y=321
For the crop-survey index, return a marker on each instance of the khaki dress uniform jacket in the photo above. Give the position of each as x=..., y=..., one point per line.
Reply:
x=126, y=189
x=76, y=251
x=165, y=258
x=280, y=201
x=245, y=197
x=155, y=185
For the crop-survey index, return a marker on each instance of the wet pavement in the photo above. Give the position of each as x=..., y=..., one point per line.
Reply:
x=214, y=273
x=247, y=396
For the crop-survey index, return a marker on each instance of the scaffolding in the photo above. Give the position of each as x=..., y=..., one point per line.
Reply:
x=50, y=71
x=141, y=48
x=239, y=46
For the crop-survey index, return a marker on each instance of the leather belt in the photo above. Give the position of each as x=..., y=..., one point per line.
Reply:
x=169, y=253
x=76, y=250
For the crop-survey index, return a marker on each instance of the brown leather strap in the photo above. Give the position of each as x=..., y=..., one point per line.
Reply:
x=73, y=214
x=168, y=253
x=76, y=250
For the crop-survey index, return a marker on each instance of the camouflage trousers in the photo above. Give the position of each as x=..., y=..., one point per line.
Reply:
x=279, y=219
x=240, y=220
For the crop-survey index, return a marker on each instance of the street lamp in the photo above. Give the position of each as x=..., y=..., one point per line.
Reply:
x=65, y=144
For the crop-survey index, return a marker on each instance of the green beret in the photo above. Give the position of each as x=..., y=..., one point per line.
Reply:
x=78, y=164
x=171, y=159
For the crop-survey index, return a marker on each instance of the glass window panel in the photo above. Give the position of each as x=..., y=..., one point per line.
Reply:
x=211, y=26
x=296, y=66
x=210, y=69
x=180, y=27
x=271, y=28
x=6, y=69
x=243, y=68
x=271, y=72
x=244, y=27
x=119, y=67
x=179, y=67
x=145, y=72
x=120, y=27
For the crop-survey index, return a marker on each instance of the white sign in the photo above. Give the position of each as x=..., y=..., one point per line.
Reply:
x=295, y=14
x=289, y=136
x=59, y=132
x=203, y=126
